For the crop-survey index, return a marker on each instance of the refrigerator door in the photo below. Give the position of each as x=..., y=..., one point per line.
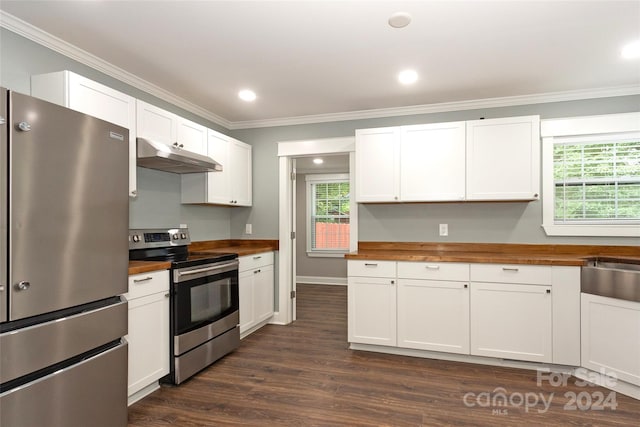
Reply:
x=4, y=151
x=68, y=208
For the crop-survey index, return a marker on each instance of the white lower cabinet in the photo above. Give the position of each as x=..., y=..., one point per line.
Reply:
x=256, y=289
x=511, y=321
x=148, y=335
x=611, y=337
x=372, y=310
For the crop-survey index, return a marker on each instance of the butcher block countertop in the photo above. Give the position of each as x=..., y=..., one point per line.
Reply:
x=494, y=253
x=237, y=246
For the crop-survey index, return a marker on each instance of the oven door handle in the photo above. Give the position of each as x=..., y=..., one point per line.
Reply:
x=206, y=269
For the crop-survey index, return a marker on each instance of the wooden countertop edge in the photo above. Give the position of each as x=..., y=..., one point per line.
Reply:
x=240, y=250
x=472, y=258
x=137, y=267
x=263, y=245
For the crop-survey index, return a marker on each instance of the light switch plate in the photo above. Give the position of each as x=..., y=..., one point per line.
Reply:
x=248, y=229
x=444, y=229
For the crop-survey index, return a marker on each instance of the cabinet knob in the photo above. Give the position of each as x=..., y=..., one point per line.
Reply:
x=395, y=198
x=548, y=291
x=166, y=295
x=466, y=285
x=393, y=282
x=181, y=146
x=175, y=144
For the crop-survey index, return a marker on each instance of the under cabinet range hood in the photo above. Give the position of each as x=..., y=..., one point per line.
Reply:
x=172, y=158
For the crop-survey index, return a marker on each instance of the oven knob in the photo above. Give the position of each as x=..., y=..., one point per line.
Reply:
x=175, y=236
x=136, y=238
x=183, y=236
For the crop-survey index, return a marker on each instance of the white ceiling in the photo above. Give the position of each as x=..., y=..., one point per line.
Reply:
x=311, y=58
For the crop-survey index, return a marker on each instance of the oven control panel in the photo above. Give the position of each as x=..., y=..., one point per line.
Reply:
x=145, y=238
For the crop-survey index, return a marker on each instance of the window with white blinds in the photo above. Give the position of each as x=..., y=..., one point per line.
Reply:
x=597, y=180
x=328, y=210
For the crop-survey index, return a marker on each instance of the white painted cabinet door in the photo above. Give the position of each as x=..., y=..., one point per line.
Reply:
x=511, y=321
x=191, y=135
x=378, y=165
x=241, y=175
x=503, y=159
x=372, y=310
x=433, y=315
x=432, y=161
x=611, y=336
x=156, y=124
x=95, y=99
x=219, y=183
x=263, y=293
x=245, y=290
x=148, y=339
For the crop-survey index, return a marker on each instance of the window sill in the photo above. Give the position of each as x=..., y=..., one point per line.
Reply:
x=340, y=254
x=592, y=230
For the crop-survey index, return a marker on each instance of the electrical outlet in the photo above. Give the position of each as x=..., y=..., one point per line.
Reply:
x=444, y=229
x=183, y=225
x=248, y=229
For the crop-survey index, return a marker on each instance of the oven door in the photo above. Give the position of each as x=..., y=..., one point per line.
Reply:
x=204, y=295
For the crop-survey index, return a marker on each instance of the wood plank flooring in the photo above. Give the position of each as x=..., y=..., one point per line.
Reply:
x=305, y=375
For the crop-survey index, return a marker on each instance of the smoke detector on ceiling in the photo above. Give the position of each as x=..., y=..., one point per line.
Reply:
x=400, y=20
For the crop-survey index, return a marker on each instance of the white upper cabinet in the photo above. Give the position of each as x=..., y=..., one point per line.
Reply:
x=503, y=159
x=432, y=162
x=378, y=165
x=163, y=126
x=496, y=159
x=233, y=185
x=86, y=96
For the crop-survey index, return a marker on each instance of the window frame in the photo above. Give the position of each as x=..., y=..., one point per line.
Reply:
x=319, y=179
x=577, y=128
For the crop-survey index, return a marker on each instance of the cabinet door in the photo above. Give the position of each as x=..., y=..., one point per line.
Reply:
x=433, y=315
x=503, y=159
x=378, y=165
x=192, y=136
x=219, y=183
x=263, y=293
x=511, y=321
x=611, y=336
x=241, y=180
x=372, y=310
x=432, y=161
x=245, y=289
x=148, y=340
x=156, y=124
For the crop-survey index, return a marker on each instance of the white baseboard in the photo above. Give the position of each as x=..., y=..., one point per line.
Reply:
x=317, y=280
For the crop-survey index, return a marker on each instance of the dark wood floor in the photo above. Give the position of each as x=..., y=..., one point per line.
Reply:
x=304, y=375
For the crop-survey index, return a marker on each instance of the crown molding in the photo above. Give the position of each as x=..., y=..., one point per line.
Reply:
x=507, y=101
x=35, y=34
x=56, y=44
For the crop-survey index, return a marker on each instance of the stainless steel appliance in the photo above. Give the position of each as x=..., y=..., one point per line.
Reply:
x=204, y=314
x=64, y=212
x=612, y=277
x=173, y=158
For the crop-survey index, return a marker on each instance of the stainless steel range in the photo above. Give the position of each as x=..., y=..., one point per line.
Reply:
x=204, y=314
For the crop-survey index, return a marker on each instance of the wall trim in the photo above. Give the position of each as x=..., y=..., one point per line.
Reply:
x=318, y=280
x=56, y=44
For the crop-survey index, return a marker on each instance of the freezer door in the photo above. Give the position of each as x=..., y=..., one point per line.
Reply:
x=68, y=208
x=4, y=291
x=90, y=393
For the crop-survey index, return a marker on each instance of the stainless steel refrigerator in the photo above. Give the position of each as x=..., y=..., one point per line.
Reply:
x=63, y=261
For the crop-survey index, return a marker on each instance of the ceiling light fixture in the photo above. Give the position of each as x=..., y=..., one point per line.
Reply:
x=631, y=50
x=318, y=161
x=247, y=95
x=399, y=20
x=408, y=77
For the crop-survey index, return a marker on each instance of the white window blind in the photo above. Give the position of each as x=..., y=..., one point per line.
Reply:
x=597, y=179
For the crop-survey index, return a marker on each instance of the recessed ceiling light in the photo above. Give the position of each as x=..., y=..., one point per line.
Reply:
x=399, y=19
x=318, y=161
x=631, y=50
x=247, y=95
x=408, y=77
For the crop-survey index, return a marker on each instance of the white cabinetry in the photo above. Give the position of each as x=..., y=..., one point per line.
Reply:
x=372, y=302
x=503, y=159
x=611, y=337
x=378, y=165
x=510, y=317
x=148, y=335
x=233, y=185
x=163, y=126
x=86, y=96
x=256, y=288
x=433, y=306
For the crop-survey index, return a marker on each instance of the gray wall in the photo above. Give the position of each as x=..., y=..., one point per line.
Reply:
x=306, y=265
x=158, y=202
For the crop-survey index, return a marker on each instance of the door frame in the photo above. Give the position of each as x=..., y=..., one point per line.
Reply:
x=286, y=152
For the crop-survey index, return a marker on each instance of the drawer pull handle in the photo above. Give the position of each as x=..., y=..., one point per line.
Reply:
x=257, y=257
x=370, y=264
x=256, y=272
x=146, y=279
x=509, y=269
x=548, y=291
x=433, y=267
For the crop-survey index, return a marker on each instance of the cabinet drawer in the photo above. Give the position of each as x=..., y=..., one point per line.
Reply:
x=511, y=273
x=250, y=262
x=434, y=271
x=371, y=268
x=147, y=283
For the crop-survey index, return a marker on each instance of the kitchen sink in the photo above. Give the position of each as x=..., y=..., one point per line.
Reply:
x=612, y=277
